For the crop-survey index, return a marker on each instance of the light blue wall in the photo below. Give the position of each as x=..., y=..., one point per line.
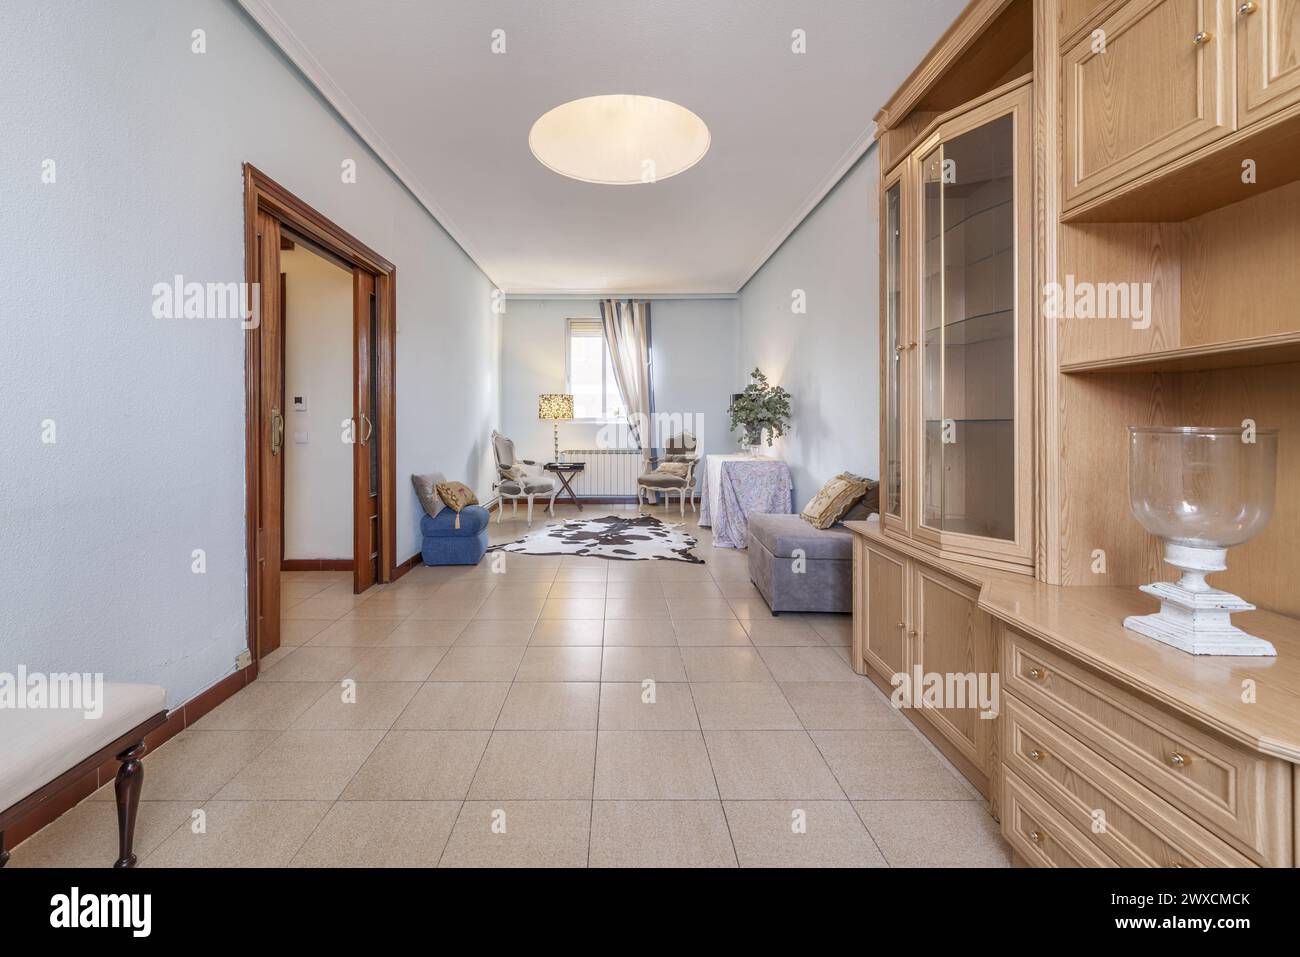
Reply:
x=827, y=358
x=148, y=139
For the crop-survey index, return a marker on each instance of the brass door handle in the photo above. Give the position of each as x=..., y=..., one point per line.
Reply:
x=277, y=431
x=1202, y=37
x=1247, y=8
x=369, y=428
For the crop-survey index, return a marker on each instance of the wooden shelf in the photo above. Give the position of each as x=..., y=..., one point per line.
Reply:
x=1238, y=353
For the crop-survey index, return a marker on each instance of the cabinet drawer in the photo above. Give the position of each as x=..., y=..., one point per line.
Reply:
x=1160, y=87
x=1125, y=820
x=1242, y=796
x=1040, y=834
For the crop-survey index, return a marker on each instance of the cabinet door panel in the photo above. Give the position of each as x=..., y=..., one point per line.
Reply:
x=1268, y=58
x=895, y=336
x=954, y=640
x=886, y=646
x=973, y=365
x=1157, y=88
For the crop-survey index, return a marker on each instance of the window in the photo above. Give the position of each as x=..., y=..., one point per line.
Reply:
x=591, y=377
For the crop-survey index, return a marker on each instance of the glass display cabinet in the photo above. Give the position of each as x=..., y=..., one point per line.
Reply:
x=957, y=437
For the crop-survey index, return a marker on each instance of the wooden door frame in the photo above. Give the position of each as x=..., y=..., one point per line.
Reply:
x=263, y=194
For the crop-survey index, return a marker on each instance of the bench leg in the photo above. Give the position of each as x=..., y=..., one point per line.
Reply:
x=4, y=854
x=130, y=776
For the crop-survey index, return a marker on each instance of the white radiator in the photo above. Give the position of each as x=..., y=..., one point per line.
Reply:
x=610, y=473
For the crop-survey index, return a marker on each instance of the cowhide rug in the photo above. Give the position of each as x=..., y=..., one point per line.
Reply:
x=639, y=539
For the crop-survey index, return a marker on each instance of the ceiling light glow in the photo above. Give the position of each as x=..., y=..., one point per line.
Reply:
x=619, y=139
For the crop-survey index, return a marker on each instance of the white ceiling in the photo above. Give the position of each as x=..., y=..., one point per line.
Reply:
x=419, y=82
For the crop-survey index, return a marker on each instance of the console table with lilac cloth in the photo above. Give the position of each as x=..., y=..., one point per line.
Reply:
x=735, y=486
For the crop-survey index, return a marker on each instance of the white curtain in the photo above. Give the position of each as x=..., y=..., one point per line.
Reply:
x=627, y=331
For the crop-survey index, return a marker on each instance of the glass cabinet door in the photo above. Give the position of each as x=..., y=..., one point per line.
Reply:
x=893, y=348
x=968, y=317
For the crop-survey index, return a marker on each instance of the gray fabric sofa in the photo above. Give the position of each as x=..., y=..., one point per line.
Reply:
x=825, y=580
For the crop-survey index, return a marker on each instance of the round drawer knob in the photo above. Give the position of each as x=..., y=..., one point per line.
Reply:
x=1203, y=37
x=1035, y=754
x=1177, y=760
x=1247, y=8
x=1037, y=674
x=1037, y=837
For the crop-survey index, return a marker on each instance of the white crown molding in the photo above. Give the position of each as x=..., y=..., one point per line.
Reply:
x=535, y=294
x=283, y=37
x=609, y=294
x=820, y=192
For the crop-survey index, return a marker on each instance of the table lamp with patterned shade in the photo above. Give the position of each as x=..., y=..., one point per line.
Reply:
x=555, y=406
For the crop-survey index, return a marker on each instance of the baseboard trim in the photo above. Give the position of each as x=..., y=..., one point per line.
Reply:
x=315, y=564
x=406, y=566
x=178, y=719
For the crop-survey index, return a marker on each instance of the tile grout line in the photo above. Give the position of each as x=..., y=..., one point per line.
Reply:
x=335, y=801
x=722, y=805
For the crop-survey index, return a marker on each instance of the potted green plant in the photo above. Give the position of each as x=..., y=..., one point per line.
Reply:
x=761, y=410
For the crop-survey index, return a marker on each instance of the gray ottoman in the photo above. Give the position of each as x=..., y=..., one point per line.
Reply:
x=825, y=582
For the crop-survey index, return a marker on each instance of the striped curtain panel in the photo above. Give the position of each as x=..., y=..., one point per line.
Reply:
x=627, y=332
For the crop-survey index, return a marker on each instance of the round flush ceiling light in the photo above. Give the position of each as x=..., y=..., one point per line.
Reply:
x=619, y=139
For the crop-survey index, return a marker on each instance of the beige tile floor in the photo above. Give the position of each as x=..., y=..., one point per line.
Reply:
x=462, y=717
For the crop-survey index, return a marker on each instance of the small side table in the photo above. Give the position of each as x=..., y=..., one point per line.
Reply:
x=562, y=471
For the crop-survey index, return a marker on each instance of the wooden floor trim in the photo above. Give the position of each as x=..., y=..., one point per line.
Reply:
x=316, y=565
x=407, y=565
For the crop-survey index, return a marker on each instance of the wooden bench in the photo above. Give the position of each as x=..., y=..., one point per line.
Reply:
x=48, y=749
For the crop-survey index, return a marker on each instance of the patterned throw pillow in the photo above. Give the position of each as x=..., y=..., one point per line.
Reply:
x=834, y=499
x=865, y=507
x=456, y=495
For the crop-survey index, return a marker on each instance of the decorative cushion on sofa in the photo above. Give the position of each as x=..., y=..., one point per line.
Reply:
x=456, y=496
x=832, y=501
x=866, y=506
x=426, y=490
